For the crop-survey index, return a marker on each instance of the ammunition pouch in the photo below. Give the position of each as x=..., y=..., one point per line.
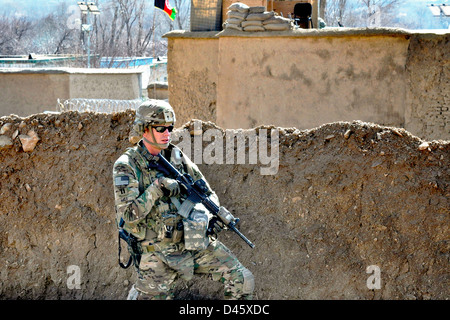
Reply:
x=195, y=227
x=172, y=228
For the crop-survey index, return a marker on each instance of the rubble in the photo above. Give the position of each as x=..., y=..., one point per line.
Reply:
x=29, y=141
x=5, y=142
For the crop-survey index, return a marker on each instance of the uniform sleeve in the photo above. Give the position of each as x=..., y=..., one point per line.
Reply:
x=129, y=204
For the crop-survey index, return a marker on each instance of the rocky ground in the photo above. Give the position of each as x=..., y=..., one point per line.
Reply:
x=346, y=196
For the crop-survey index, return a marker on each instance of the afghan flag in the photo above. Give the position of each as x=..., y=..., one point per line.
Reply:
x=165, y=6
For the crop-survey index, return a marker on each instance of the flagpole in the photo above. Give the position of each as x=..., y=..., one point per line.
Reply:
x=154, y=52
x=166, y=7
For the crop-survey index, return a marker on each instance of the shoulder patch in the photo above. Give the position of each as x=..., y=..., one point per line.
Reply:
x=122, y=181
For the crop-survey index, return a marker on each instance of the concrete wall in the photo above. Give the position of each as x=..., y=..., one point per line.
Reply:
x=305, y=78
x=28, y=91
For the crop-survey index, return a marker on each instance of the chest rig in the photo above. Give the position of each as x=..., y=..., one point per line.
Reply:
x=163, y=221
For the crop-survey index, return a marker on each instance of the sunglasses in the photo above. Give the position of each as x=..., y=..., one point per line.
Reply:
x=162, y=129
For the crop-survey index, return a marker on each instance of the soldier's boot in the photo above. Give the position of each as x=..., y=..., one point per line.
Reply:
x=133, y=294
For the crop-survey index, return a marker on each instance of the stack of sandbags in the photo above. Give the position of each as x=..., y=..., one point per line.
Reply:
x=237, y=12
x=244, y=18
x=255, y=18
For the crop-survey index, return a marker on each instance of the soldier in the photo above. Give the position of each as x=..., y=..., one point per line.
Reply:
x=147, y=201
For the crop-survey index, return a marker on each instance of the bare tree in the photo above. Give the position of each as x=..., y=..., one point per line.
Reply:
x=130, y=14
x=53, y=36
x=379, y=12
x=13, y=32
x=123, y=28
x=183, y=14
x=361, y=13
x=335, y=12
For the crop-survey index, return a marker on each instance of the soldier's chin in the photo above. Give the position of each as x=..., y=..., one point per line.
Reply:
x=165, y=145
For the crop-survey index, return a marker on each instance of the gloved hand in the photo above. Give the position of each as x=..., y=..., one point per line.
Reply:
x=215, y=226
x=168, y=186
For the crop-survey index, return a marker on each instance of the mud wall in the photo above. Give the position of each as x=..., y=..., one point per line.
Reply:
x=427, y=67
x=193, y=77
x=305, y=78
x=24, y=92
x=347, y=195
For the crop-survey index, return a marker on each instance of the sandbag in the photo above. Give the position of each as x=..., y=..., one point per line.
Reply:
x=238, y=6
x=277, y=19
x=233, y=26
x=251, y=23
x=234, y=21
x=254, y=28
x=236, y=14
x=277, y=26
x=260, y=16
x=257, y=9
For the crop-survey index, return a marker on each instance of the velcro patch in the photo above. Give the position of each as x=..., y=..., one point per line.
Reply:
x=122, y=181
x=168, y=117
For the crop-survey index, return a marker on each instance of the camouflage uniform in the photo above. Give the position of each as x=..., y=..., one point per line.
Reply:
x=152, y=218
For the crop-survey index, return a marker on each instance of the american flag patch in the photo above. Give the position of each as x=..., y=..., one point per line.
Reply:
x=122, y=181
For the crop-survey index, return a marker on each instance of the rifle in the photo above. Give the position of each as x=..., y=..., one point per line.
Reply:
x=196, y=193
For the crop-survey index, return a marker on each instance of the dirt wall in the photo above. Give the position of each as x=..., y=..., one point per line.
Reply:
x=347, y=195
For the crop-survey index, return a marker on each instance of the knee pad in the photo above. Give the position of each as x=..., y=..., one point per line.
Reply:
x=249, y=281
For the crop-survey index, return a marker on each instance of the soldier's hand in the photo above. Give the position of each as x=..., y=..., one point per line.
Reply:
x=215, y=226
x=169, y=186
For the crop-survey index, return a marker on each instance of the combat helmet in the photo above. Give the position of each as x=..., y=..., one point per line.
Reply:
x=153, y=112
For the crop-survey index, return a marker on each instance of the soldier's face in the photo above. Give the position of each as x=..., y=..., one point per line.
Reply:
x=160, y=137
